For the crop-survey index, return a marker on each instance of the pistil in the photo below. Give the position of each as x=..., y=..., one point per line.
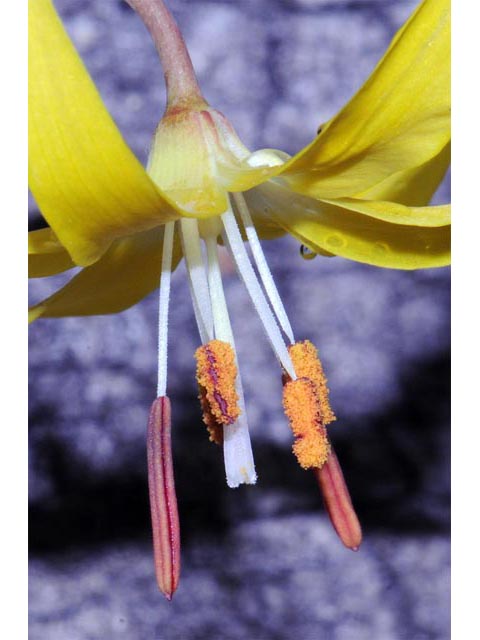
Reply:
x=197, y=277
x=237, y=448
x=214, y=325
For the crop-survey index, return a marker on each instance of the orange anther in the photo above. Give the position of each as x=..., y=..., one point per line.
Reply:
x=215, y=428
x=307, y=365
x=216, y=376
x=303, y=409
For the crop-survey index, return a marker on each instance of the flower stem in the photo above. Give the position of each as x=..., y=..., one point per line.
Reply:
x=182, y=85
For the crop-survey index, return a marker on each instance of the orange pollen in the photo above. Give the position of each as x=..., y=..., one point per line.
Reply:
x=307, y=365
x=215, y=428
x=302, y=405
x=216, y=376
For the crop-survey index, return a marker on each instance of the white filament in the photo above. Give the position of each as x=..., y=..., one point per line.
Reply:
x=164, y=300
x=249, y=278
x=262, y=266
x=197, y=278
x=212, y=317
x=237, y=448
x=221, y=319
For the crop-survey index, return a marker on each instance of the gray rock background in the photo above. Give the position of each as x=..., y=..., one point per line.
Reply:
x=259, y=562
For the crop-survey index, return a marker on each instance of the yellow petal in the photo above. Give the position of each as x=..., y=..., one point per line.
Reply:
x=399, y=214
x=413, y=187
x=88, y=184
x=125, y=274
x=256, y=168
x=46, y=256
x=397, y=121
x=323, y=226
x=182, y=162
x=196, y=157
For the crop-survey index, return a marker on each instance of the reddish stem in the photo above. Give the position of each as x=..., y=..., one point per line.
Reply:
x=182, y=85
x=163, y=500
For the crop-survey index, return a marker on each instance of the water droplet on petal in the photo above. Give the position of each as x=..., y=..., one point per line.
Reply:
x=381, y=247
x=335, y=241
x=306, y=253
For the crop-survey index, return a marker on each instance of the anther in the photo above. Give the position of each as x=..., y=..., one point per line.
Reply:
x=303, y=409
x=338, y=502
x=307, y=365
x=214, y=427
x=216, y=376
x=163, y=500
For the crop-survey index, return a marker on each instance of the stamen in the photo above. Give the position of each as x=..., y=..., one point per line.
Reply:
x=302, y=407
x=306, y=405
x=245, y=269
x=163, y=500
x=214, y=428
x=262, y=266
x=197, y=278
x=307, y=365
x=338, y=502
x=237, y=448
x=216, y=374
x=164, y=300
x=221, y=319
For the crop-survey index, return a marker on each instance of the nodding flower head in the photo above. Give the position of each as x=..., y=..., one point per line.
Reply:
x=359, y=190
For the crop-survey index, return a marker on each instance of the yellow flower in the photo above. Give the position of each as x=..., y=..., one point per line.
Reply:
x=359, y=190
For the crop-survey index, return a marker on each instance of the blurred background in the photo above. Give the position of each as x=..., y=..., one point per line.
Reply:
x=260, y=562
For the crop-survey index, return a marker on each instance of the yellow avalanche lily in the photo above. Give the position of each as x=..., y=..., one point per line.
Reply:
x=360, y=190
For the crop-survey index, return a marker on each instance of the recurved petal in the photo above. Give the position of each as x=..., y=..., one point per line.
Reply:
x=125, y=274
x=399, y=214
x=88, y=184
x=398, y=120
x=46, y=256
x=414, y=187
x=364, y=234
